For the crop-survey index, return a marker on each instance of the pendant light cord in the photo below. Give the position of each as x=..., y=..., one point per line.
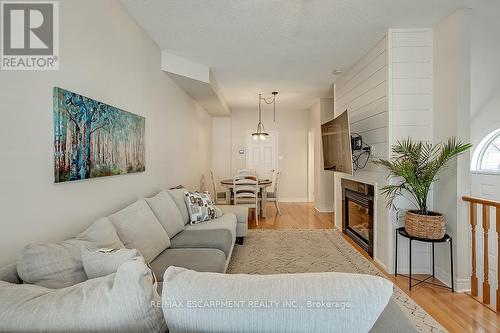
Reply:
x=274, y=108
x=260, y=111
x=270, y=100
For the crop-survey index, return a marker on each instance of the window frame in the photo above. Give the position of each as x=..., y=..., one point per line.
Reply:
x=478, y=155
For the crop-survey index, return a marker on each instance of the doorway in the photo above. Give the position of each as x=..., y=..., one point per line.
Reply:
x=262, y=155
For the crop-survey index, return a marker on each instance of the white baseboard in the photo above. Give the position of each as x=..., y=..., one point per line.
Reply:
x=414, y=270
x=323, y=209
x=294, y=199
x=461, y=285
x=381, y=264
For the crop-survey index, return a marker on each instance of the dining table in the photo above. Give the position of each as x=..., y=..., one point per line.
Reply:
x=263, y=185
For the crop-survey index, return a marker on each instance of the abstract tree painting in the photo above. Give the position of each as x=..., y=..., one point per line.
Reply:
x=93, y=139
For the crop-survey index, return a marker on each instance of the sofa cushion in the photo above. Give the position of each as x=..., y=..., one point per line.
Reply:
x=211, y=238
x=177, y=195
x=202, y=260
x=307, y=302
x=226, y=222
x=59, y=265
x=102, y=262
x=165, y=209
x=138, y=228
x=102, y=233
x=120, y=302
x=8, y=273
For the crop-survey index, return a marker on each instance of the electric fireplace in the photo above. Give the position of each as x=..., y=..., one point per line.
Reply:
x=357, y=213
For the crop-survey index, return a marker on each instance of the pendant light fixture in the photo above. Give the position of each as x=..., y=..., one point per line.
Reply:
x=260, y=133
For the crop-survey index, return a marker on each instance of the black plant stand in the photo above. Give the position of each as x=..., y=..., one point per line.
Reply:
x=446, y=239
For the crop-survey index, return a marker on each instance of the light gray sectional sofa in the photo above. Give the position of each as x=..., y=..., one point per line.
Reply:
x=204, y=247
x=48, y=284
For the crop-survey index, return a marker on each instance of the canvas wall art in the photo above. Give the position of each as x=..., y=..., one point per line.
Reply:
x=93, y=139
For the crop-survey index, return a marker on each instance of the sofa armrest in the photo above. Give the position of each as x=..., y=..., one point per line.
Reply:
x=308, y=302
x=241, y=213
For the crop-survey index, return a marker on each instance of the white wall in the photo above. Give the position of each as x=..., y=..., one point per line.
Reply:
x=320, y=113
x=485, y=93
x=221, y=141
x=452, y=118
x=292, y=126
x=106, y=56
x=485, y=117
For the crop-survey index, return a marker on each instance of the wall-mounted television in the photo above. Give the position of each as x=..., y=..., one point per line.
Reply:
x=336, y=138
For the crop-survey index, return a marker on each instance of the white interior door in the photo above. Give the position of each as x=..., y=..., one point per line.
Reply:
x=262, y=155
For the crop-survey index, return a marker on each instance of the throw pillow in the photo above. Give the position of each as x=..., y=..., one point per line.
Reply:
x=102, y=262
x=126, y=301
x=138, y=228
x=200, y=207
x=59, y=265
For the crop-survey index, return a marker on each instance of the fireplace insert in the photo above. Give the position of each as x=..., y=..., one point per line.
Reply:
x=357, y=213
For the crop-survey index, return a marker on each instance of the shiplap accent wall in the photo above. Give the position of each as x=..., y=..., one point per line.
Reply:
x=388, y=94
x=410, y=113
x=362, y=91
x=410, y=84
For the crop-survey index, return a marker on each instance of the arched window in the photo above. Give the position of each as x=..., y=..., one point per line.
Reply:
x=486, y=157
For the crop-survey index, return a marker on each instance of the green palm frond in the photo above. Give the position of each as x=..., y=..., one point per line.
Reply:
x=416, y=165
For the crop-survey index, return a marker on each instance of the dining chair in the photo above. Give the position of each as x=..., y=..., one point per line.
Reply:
x=274, y=196
x=219, y=197
x=246, y=172
x=246, y=192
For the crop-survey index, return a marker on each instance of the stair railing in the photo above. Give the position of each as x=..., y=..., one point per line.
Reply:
x=486, y=206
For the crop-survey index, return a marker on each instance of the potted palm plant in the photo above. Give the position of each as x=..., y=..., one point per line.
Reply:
x=415, y=166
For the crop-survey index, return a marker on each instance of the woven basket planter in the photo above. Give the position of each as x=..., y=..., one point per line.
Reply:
x=425, y=226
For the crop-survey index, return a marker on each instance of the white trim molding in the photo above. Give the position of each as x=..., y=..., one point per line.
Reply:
x=461, y=285
x=323, y=209
x=297, y=199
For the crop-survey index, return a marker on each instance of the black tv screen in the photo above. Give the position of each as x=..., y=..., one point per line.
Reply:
x=336, y=139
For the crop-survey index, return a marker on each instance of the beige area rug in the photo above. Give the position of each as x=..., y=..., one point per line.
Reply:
x=305, y=251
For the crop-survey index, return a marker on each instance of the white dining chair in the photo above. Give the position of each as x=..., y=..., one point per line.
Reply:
x=246, y=172
x=219, y=197
x=246, y=192
x=274, y=196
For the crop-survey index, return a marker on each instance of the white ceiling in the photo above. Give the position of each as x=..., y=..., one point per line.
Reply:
x=290, y=46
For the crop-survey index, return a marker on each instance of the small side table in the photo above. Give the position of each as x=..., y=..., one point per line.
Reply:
x=446, y=239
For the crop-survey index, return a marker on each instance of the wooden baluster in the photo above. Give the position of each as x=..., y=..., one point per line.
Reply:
x=486, y=268
x=473, y=223
x=497, y=210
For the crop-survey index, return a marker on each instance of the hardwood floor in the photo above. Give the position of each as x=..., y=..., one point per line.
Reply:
x=293, y=216
x=457, y=312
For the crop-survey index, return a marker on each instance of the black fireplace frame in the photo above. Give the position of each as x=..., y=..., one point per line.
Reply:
x=361, y=194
